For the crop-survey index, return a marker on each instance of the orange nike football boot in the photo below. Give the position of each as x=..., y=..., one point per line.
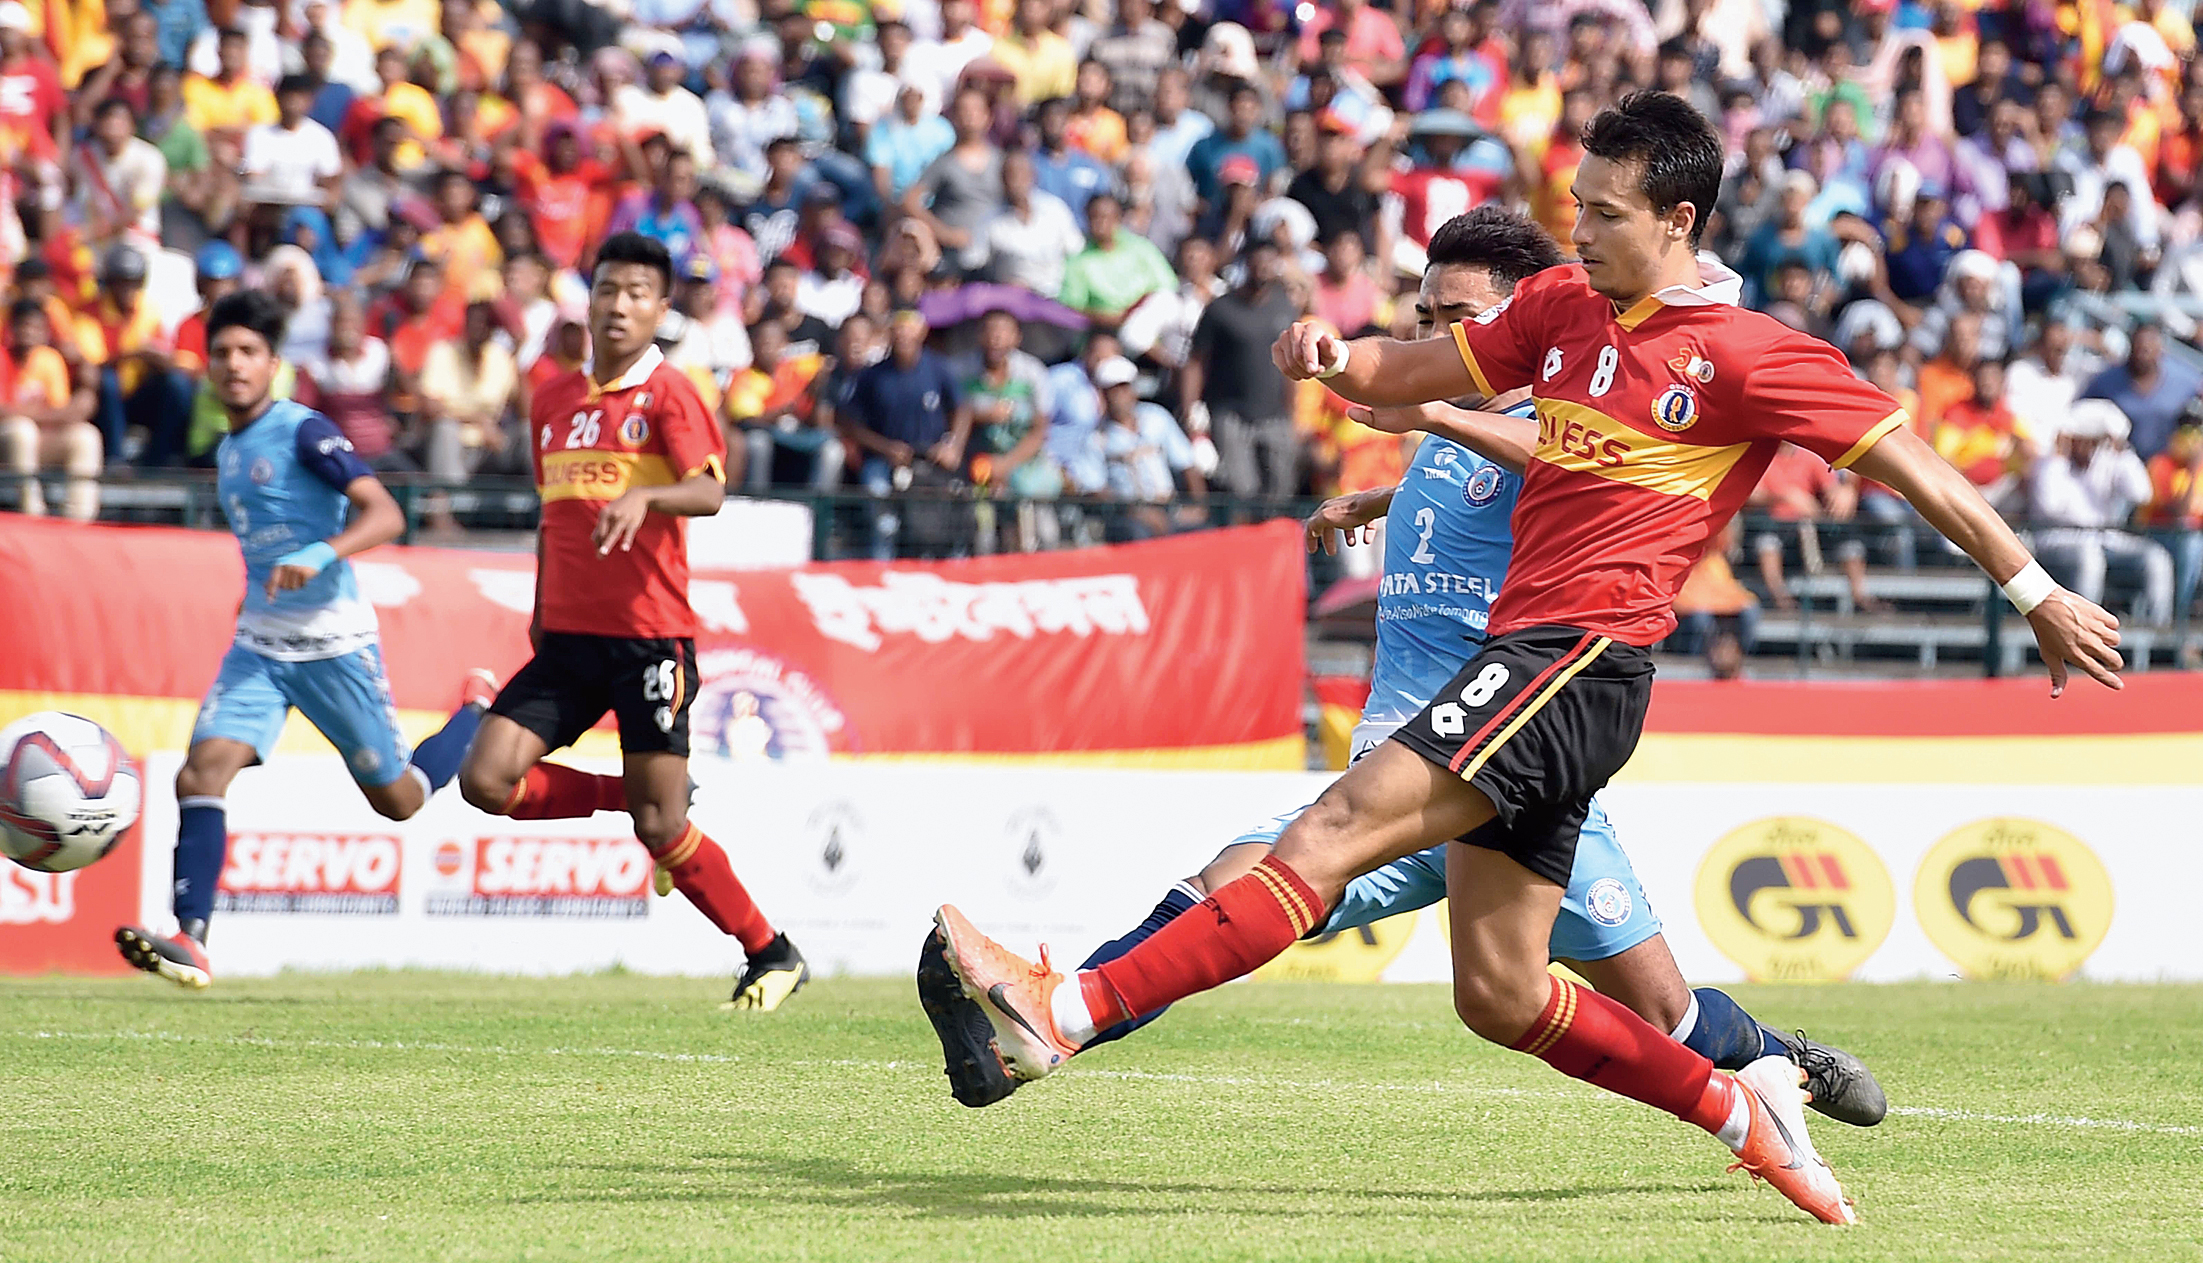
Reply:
x=1776, y=1148
x=1016, y=994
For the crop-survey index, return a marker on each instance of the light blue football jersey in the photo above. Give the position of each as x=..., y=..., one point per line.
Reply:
x=1448, y=537
x=281, y=483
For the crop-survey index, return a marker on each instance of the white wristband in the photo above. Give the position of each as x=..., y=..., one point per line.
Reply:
x=2030, y=587
x=1346, y=351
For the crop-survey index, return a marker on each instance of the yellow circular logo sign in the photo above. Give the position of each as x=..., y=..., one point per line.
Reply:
x=1345, y=956
x=2009, y=898
x=1795, y=899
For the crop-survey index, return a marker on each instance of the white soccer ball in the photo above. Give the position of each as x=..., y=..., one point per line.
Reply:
x=67, y=791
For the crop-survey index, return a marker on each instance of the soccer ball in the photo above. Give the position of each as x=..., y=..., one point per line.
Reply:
x=67, y=791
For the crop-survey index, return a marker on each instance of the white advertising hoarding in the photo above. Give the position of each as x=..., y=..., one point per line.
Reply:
x=1878, y=882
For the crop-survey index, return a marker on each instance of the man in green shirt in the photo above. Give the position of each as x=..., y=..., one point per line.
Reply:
x=1116, y=269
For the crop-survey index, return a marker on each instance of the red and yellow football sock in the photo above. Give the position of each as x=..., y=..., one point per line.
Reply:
x=553, y=791
x=1242, y=926
x=700, y=870
x=1588, y=1036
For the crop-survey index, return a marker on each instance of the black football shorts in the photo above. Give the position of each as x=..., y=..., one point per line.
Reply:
x=648, y=684
x=1539, y=720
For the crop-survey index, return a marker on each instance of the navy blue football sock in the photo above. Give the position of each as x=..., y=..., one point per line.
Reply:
x=1725, y=1034
x=439, y=756
x=202, y=840
x=1180, y=898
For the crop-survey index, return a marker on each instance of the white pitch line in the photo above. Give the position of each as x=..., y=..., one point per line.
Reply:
x=2077, y=1123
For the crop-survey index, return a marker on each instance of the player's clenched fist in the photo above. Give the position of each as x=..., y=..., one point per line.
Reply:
x=1307, y=350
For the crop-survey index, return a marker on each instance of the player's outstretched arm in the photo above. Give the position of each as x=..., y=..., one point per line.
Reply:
x=376, y=519
x=1348, y=514
x=1375, y=371
x=2070, y=630
x=698, y=495
x=1504, y=440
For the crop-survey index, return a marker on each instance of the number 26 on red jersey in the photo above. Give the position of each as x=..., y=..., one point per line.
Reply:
x=582, y=431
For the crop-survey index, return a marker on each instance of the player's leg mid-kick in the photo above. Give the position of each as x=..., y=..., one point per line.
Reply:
x=624, y=453
x=1452, y=536
x=1659, y=403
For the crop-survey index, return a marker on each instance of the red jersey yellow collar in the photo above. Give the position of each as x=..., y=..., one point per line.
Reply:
x=636, y=374
x=1717, y=286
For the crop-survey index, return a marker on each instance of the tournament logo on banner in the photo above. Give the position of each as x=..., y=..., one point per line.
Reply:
x=1795, y=899
x=1032, y=845
x=1345, y=955
x=2010, y=898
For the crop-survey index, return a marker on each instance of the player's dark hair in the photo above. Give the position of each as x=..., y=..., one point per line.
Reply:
x=1677, y=149
x=110, y=105
x=633, y=247
x=253, y=309
x=1509, y=246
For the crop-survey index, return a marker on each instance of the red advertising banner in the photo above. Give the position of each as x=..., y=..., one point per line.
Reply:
x=1182, y=643
x=66, y=921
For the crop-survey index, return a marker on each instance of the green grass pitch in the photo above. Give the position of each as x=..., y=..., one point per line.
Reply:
x=437, y=1116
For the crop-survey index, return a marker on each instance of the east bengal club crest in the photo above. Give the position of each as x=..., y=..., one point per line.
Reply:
x=2013, y=898
x=1791, y=898
x=635, y=430
x=1676, y=410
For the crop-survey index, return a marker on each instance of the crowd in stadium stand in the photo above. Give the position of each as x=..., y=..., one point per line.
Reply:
x=1038, y=248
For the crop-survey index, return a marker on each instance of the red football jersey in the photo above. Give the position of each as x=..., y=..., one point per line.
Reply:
x=648, y=429
x=1653, y=426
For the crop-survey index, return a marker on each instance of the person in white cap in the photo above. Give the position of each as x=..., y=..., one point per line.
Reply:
x=2085, y=492
x=1974, y=282
x=1145, y=451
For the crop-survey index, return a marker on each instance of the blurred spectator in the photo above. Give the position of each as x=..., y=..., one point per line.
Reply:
x=1228, y=381
x=1237, y=136
x=1030, y=240
x=907, y=416
x=292, y=161
x=350, y=385
x=661, y=106
x=1947, y=377
x=1970, y=286
x=229, y=100
x=1914, y=142
x=770, y=405
x=46, y=419
x=1006, y=392
x=1115, y=271
x=1798, y=491
x=119, y=181
x=832, y=289
x=905, y=142
x=1336, y=190
x=2094, y=165
x=1715, y=614
x=1373, y=46
x=1092, y=127
x=1075, y=415
x=1986, y=165
x=139, y=389
x=1135, y=50
x=468, y=390
x=1147, y=456
x=962, y=189
x=2151, y=390
x=2042, y=385
x=1344, y=295
x=713, y=344
x=1984, y=440
x=748, y=115
x=666, y=211
x=1178, y=127
x=1041, y=60
x=2085, y=491
x=1069, y=173
x=2175, y=513
x=1785, y=238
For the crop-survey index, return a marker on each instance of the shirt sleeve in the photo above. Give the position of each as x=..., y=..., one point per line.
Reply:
x=1799, y=389
x=693, y=443
x=325, y=452
x=1500, y=346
